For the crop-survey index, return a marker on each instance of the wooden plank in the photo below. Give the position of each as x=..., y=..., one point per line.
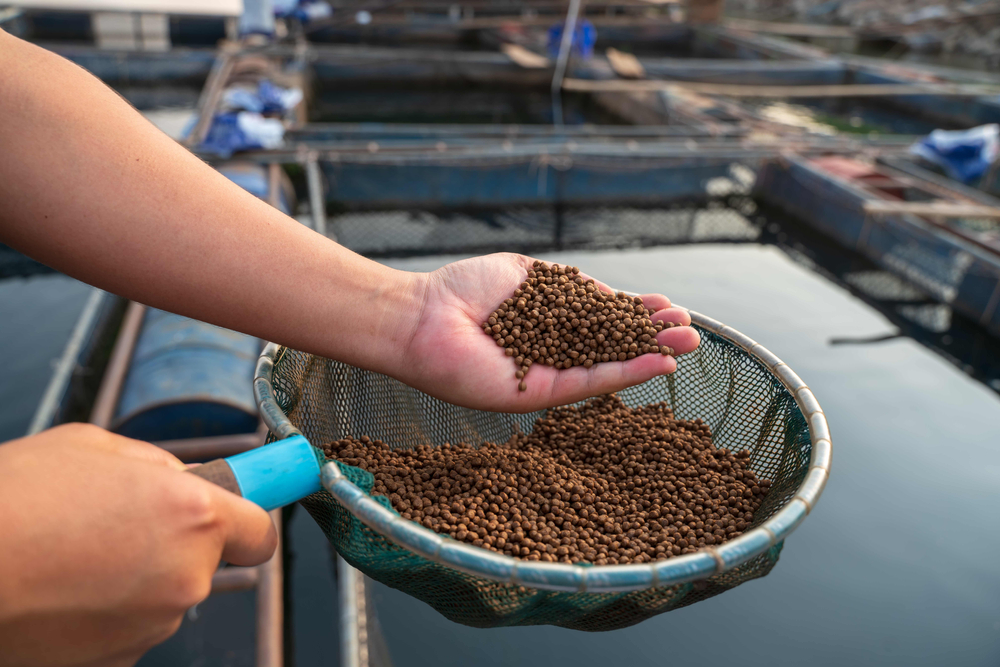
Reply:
x=739, y=90
x=939, y=209
x=704, y=11
x=384, y=19
x=513, y=8
x=523, y=57
x=790, y=29
x=171, y=7
x=211, y=96
x=625, y=65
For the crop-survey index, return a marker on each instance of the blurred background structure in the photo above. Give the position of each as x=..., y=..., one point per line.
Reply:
x=821, y=175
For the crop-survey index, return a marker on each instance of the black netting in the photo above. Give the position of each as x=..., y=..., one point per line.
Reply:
x=724, y=219
x=743, y=403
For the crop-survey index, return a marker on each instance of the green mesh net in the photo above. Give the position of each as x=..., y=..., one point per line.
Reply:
x=743, y=403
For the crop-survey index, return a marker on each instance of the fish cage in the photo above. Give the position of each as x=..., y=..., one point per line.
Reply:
x=426, y=132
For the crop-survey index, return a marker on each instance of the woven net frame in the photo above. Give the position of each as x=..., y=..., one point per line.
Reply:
x=750, y=400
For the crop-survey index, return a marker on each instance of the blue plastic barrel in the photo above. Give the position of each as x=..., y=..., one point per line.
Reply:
x=187, y=379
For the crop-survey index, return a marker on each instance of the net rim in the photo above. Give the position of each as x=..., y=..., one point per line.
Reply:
x=476, y=561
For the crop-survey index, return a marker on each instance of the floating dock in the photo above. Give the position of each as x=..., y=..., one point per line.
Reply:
x=432, y=129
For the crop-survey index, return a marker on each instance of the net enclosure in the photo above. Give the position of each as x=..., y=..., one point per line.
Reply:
x=749, y=398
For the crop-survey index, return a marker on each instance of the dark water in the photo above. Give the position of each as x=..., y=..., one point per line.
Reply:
x=312, y=610
x=37, y=315
x=444, y=105
x=898, y=563
x=218, y=632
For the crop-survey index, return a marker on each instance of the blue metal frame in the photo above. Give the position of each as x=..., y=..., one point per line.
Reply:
x=967, y=277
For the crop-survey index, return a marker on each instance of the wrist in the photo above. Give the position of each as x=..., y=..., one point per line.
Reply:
x=403, y=305
x=373, y=326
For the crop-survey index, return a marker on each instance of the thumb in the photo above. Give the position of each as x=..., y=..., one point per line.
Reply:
x=247, y=530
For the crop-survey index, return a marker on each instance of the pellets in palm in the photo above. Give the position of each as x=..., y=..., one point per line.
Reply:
x=602, y=483
x=558, y=318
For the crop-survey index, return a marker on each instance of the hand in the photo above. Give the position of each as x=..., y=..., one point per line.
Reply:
x=106, y=543
x=451, y=357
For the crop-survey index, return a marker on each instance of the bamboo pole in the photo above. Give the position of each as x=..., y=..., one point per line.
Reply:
x=942, y=209
x=740, y=90
x=790, y=29
x=565, y=47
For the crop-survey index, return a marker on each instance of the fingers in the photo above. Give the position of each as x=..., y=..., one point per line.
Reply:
x=655, y=302
x=552, y=387
x=613, y=377
x=578, y=383
x=675, y=315
x=682, y=339
x=249, y=534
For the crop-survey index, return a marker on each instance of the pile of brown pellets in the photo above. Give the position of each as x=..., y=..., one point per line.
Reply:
x=559, y=319
x=602, y=483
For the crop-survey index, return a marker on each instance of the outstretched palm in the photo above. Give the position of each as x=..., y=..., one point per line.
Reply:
x=452, y=358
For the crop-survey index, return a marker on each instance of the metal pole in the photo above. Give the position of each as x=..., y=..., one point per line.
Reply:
x=270, y=607
x=569, y=27
x=215, y=447
x=114, y=375
x=274, y=185
x=317, y=201
x=353, y=616
x=230, y=578
x=211, y=95
x=46, y=412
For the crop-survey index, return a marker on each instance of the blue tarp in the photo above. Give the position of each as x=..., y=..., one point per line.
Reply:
x=303, y=10
x=584, y=39
x=964, y=154
x=244, y=130
x=244, y=124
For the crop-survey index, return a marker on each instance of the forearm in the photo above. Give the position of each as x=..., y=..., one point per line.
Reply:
x=91, y=188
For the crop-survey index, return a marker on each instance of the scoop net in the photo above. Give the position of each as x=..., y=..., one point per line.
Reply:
x=743, y=402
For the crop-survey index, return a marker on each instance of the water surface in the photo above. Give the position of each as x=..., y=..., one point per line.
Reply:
x=896, y=565
x=37, y=315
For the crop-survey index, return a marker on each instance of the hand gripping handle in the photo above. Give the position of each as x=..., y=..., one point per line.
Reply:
x=271, y=476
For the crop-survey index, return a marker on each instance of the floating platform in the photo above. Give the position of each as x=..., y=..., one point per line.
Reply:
x=468, y=158
x=911, y=223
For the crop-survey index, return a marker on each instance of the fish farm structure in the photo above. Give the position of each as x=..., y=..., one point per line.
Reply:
x=418, y=131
